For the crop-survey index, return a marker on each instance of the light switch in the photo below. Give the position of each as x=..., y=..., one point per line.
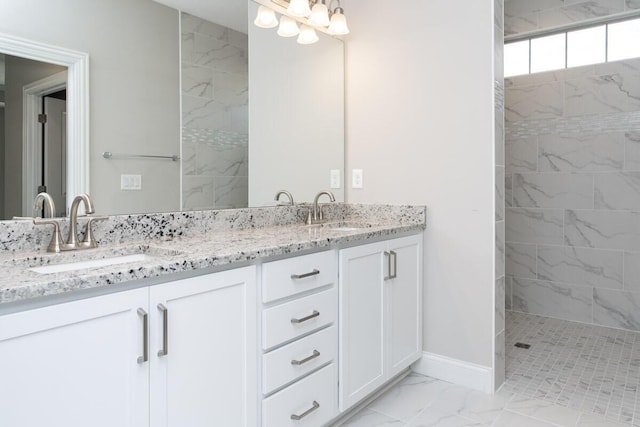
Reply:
x=356, y=178
x=131, y=182
x=335, y=178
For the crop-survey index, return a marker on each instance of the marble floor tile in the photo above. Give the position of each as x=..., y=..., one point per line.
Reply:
x=543, y=410
x=369, y=418
x=433, y=417
x=513, y=419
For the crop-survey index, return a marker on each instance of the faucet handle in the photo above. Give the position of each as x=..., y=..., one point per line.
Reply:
x=56, y=245
x=89, y=240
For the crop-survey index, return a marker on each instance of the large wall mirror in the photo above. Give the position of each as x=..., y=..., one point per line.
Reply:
x=247, y=112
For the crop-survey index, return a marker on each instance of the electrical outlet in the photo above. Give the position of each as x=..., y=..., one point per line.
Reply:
x=131, y=182
x=356, y=178
x=335, y=178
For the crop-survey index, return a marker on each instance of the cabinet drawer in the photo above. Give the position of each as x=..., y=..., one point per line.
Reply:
x=290, y=320
x=278, y=367
x=291, y=276
x=313, y=398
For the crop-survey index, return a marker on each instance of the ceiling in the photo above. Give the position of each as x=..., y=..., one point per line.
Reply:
x=229, y=13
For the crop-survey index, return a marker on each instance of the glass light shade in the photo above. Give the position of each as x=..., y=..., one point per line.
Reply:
x=319, y=15
x=299, y=8
x=288, y=27
x=338, y=26
x=307, y=35
x=266, y=18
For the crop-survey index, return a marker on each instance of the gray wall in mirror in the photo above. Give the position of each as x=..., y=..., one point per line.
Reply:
x=135, y=68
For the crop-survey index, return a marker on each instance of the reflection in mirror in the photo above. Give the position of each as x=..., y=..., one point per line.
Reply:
x=33, y=119
x=137, y=93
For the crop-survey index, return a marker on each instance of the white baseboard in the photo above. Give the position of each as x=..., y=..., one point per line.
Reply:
x=455, y=371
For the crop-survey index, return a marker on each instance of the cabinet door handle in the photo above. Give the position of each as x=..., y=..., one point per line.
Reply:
x=388, y=257
x=145, y=336
x=315, y=406
x=309, y=317
x=165, y=330
x=315, y=354
x=394, y=255
x=315, y=272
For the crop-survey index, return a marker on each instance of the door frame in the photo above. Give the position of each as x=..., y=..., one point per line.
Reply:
x=77, y=64
x=32, y=95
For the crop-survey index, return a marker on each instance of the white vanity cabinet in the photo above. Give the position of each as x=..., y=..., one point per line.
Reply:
x=177, y=354
x=75, y=364
x=299, y=341
x=380, y=314
x=203, y=349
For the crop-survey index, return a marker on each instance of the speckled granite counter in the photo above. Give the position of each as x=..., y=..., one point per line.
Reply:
x=184, y=242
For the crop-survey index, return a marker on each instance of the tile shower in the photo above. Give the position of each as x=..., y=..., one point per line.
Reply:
x=572, y=188
x=214, y=115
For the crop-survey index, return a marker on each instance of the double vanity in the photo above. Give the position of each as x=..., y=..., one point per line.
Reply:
x=244, y=317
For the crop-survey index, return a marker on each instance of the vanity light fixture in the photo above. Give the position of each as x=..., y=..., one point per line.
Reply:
x=266, y=18
x=307, y=35
x=288, y=27
x=310, y=14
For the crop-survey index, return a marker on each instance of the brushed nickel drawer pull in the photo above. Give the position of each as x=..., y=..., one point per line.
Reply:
x=309, y=317
x=388, y=258
x=165, y=330
x=145, y=336
x=315, y=406
x=315, y=354
x=315, y=272
x=395, y=265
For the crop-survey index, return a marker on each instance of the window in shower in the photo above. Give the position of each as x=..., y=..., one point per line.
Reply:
x=577, y=47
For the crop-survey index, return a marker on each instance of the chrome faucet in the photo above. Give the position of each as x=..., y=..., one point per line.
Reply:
x=315, y=213
x=286, y=193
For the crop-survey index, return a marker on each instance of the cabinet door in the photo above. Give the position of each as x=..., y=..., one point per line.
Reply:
x=404, y=303
x=361, y=354
x=204, y=351
x=75, y=364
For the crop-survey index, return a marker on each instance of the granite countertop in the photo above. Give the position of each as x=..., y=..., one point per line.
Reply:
x=179, y=254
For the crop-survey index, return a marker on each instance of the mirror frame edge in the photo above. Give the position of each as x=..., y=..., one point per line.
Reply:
x=78, y=143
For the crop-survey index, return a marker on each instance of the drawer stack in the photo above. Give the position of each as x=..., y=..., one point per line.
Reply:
x=299, y=341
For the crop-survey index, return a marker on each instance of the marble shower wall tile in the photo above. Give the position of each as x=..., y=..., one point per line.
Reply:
x=579, y=11
x=230, y=192
x=523, y=7
x=617, y=191
x=603, y=229
x=541, y=101
x=541, y=226
x=500, y=360
x=617, y=309
x=632, y=150
x=197, y=81
x=508, y=190
x=521, y=261
x=499, y=305
x=552, y=299
x=632, y=271
x=521, y=154
x=500, y=249
x=197, y=192
x=581, y=266
x=500, y=193
x=612, y=93
x=558, y=190
x=633, y=4
x=222, y=159
x=581, y=153
x=507, y=293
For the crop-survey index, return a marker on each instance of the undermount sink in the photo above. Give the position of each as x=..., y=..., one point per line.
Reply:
x=93, y=258
x=81, y=265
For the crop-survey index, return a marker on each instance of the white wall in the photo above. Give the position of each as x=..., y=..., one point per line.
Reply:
x=134, y=88
x=296, y=110
x=420, y=123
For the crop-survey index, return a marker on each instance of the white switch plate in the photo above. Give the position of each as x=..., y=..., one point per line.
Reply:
x=131, y=182
x=335, y=178
x=356, y=178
